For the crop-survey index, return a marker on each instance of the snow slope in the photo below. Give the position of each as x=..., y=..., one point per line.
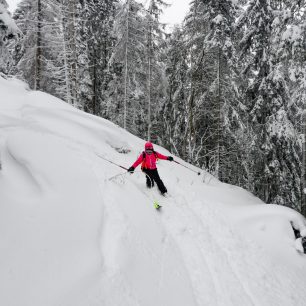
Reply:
x=70, y=236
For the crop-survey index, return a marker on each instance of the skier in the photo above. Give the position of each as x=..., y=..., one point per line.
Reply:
x=147, y=159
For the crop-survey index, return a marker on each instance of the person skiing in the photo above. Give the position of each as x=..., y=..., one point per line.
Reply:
x=148, y=159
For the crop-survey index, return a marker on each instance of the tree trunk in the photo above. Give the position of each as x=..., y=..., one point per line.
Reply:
x=65, y=56
x=126, y=66
x=191, y=134
x=303, y=198
x=149, y=74
x=70, y=37
x=218, y=168
x=37, y=80
x=95, y=109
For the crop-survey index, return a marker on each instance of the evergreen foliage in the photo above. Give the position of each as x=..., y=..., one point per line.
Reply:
x=265, y=53
x=174, y=109
x=214, y=106
x=127, y=90
x=156, y=82
x=100, y=41
x=38, y=54
x=8, y=30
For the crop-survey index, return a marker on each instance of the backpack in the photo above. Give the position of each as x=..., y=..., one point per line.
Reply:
x=144, y=154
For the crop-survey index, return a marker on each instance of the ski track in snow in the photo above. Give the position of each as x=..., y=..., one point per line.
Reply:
x=196, y=230
x=190, y=252
x=187, y=230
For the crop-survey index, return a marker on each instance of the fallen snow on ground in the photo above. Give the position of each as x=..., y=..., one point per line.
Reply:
x=70, y=236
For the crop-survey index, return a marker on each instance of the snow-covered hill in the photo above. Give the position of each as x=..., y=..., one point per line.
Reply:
x=70, y=236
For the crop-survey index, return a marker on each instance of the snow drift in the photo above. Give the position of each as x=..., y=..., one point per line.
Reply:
x=71, y=236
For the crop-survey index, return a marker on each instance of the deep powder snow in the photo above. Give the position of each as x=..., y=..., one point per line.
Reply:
x=70, y=236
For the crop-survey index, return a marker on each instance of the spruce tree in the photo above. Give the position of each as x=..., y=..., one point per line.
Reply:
x=8, y=30
x=127, y=91
x=174, y=111
x=277, y=163
x=215, y=110
x=100, y=44
x=39, y=54
x=155, y=71
x=290, y=44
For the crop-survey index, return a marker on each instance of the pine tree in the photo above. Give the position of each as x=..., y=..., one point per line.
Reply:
x=100, y=45
x=290, y=45
x=214, y=107
x=86, y=91
x=174, y=110
x=127, y=91
x=8, y=30
x=276, y=154
x=70, y=20
x=26, y=19
x=39, y=55
x=155, y=75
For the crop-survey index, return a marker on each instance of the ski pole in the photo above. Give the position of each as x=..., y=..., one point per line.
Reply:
x=117, y=175
x=125, y=173
x=187, y=167
x=111, y=161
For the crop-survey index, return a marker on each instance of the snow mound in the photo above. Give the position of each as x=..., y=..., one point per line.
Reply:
x=70, y=235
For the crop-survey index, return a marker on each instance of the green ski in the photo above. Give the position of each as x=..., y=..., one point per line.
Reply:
x=156, y=205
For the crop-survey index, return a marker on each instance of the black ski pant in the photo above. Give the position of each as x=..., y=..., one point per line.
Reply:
x=153, y=176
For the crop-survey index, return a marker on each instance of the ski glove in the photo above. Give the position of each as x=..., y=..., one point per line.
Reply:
x=170, y=158
x=131, y=169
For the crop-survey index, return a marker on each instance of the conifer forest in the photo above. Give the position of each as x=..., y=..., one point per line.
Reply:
x=224, y=90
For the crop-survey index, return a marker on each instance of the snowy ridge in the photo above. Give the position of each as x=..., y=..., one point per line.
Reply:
x=71, y=236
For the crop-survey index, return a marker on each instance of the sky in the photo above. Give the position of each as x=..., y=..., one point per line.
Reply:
x=12, y=4
x=176, y=12
x=172, y=15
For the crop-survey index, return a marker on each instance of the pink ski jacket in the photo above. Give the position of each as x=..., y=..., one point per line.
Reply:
x=148, y=160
